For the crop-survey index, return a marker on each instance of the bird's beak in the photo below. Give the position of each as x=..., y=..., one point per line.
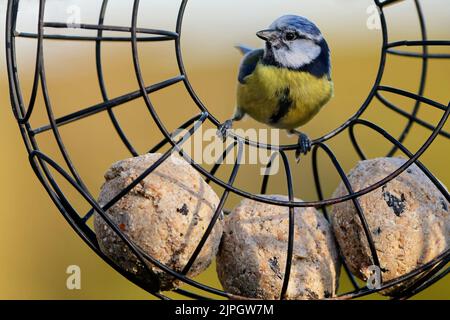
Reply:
x=267, y=35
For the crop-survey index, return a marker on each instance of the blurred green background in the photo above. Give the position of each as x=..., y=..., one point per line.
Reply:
x=37, y=245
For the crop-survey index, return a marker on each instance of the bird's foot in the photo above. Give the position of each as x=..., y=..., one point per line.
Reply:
x=223, y=129
x=304, y=146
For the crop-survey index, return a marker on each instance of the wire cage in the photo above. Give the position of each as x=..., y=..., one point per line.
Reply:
x=43, y=165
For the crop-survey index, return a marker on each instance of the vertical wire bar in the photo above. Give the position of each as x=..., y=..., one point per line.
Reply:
x=266, y=179
x=101, y=80
x=379, y=77
x=355, y=143
x=218, y=212
x=38, y=62
x=325, y=212
x=11, y=61
x=139, y=77
x=423, y=78
x=290, y=249
x=47, y=101
x=357, y=205
x=15, y=92
x=316, y=175
x=180, y=62
x=14, y=84
x=378, y=80
x=10, y=29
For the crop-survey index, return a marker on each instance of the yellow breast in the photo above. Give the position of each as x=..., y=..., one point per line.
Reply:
x=260, y=96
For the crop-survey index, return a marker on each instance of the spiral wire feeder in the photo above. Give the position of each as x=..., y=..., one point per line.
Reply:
x=425, y=276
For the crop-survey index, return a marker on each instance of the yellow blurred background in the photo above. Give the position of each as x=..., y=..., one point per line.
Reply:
x=37, y=245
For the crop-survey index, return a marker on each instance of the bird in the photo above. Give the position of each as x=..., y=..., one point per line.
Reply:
x=285, y=84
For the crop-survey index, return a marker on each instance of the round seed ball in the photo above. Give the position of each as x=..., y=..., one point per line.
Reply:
x=408, y=218
x=252, y=256
x=166, y=215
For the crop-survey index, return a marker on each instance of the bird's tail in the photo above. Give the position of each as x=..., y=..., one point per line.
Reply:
x=243, y=49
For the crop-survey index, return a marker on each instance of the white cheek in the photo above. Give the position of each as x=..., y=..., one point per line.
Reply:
x=301, y=52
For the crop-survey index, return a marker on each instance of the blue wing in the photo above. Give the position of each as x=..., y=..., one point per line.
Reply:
x=243, y=49
x=249, y=64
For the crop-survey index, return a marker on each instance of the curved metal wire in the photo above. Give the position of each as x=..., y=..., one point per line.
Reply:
x=291, y=235
x=423, y=276
x=423, y=78
x=101, y=81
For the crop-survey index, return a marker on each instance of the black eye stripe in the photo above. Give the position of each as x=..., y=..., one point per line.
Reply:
x=294, y=35
x=291, y=35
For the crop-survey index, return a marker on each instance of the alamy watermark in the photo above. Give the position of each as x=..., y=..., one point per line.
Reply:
x=73, y=281
x=374, y=20
x=67, y=10
x=73, y=16
x=374, y=280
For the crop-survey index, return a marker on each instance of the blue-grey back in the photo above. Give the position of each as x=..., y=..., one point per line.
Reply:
x=249, y=63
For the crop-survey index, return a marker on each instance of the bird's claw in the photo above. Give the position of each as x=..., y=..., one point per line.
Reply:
x=223, y=129
x=305, y=146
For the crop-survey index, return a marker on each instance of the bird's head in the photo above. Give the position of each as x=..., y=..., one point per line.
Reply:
x=293, y=42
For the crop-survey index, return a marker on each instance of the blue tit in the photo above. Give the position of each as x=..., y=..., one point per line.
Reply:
x=285, y=84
